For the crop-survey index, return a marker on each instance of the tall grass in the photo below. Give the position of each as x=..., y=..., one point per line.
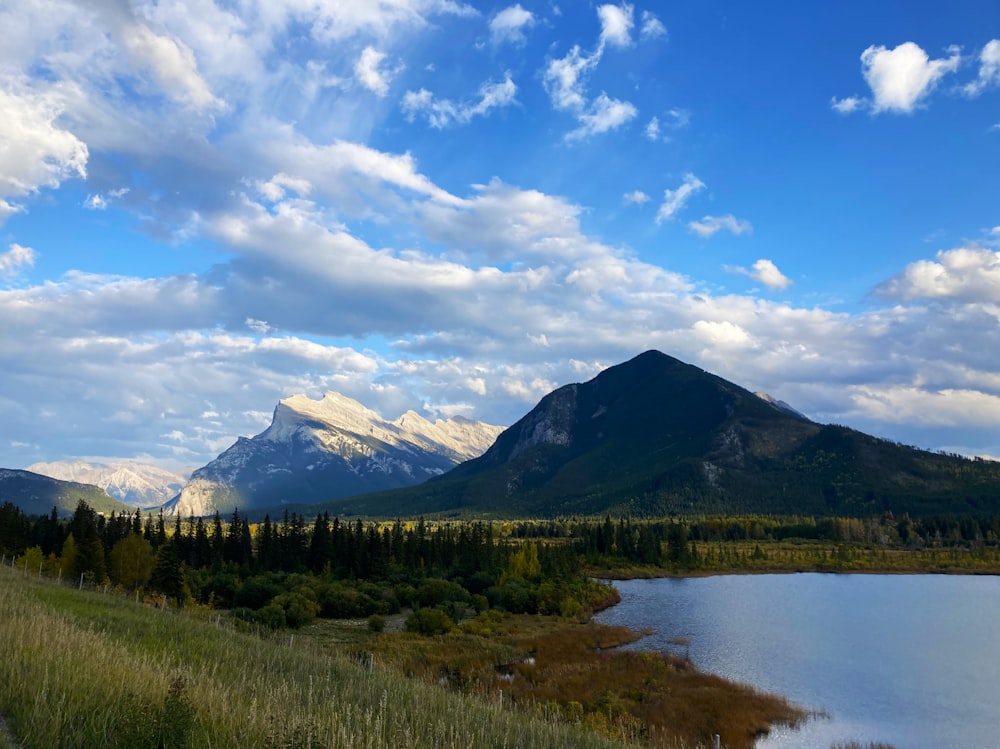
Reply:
x=84, y=670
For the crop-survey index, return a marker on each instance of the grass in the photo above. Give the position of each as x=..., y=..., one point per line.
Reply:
x=83, y=670
x=575, y=671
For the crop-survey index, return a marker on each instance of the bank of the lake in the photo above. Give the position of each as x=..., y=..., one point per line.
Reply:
x=902, y=659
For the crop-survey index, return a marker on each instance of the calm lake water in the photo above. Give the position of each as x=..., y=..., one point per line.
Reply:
x=910, y=660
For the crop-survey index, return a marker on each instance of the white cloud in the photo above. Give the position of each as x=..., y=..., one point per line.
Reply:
x=969, y=274
x=98, y=202
x=34, y=151
x=510, y=23
x=766, y=272
x=674, y=200
x=616, y=24
x=636, y=197
x=257, y=326
x=652, y=27
x=989, y=69
x=441, y=113
x=603, y=114
x=919, y=406
x=7, y=209
x=367, y=71
x=276, y=188
x=676, y=119
x=847, y=105
x=95, y=202
x=173, y=64
x=15, y=260
x=710, y=225
x=563, y=79
x=722, y=333
x=902, y=77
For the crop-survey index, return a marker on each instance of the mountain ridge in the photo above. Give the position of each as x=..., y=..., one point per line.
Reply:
x=135, y=483
x=326, y=449
x=656, y=436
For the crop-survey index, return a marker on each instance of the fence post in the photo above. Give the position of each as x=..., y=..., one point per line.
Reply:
x=81, y=582
x=717, y=739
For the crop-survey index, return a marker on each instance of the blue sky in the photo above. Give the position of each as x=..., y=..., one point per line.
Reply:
x=206, y=206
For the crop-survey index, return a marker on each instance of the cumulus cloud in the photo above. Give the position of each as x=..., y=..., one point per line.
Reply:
x=710, y=225
x=674, y=200
x=969, y=274
x=616, y=24
x=35, y=152
x=652, y=27
x=510, y=24
x=765, y=272
x=989, y=69
x=564, y=78
x=441, y=113
x=636, y=197
x=675, y=119
x=603, y=114
x=15, y=260
x=370, y=74
x=900, y=78
x=846, y=105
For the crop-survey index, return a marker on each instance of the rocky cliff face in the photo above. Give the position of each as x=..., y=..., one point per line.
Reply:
x=326, y=449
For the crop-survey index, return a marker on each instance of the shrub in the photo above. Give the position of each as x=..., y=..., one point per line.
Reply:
x=376, y=623
x=429, y=622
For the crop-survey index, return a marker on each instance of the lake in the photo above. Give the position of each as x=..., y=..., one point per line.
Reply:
x=909, y=660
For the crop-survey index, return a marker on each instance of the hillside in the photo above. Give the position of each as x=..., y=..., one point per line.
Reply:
x=655, y=436
x=35, y=494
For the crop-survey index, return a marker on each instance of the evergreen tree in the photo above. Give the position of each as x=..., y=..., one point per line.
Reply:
x=167, y=576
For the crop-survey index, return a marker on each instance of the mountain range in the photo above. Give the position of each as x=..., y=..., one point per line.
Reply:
x=322, y=450
x=656, y=436
x=650, y=436
x=132, y=482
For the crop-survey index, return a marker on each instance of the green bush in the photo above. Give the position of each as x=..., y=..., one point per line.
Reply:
x=429, y=622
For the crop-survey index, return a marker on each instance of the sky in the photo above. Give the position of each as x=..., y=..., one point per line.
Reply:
x=209, y=205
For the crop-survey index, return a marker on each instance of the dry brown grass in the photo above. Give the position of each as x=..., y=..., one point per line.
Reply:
x=576, y=671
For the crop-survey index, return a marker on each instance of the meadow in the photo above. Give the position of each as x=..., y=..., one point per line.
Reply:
x=83, y=669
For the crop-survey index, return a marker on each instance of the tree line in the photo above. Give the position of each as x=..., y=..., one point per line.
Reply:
x=287, y=572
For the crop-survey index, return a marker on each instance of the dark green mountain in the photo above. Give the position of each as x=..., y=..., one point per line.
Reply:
x=655, y=436
x=35, y=494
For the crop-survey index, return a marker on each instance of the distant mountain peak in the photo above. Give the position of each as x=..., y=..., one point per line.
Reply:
x=133, y=482
x=328, y=448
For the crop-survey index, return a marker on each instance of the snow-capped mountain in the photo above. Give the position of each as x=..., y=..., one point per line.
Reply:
x=134, y=483
x=327, y=449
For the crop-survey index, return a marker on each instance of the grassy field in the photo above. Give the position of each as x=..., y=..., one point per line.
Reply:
x=82, y=670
